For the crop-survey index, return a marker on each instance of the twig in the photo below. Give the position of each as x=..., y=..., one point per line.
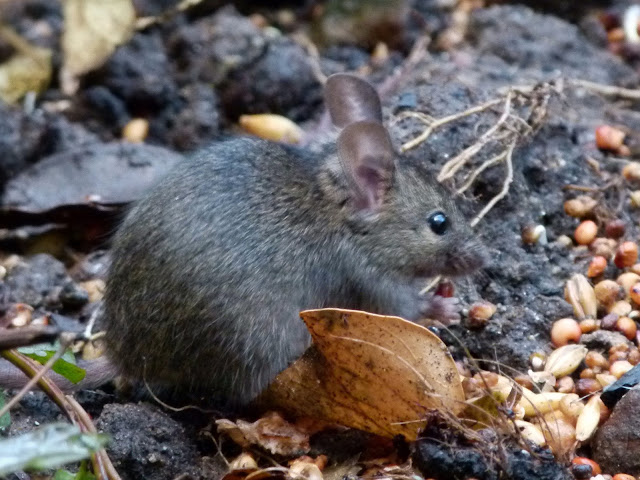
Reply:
x=612, y=90
x=66, y=339
x=102, y=466
x=450, y=168
x=436, y=123
x=27, y=335
x=505, y=187
x=487, y=164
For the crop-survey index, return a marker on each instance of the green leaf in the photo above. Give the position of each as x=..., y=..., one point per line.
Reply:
x=81, y=475
x=51, y=446
x=5, y=420
x=64, y=475
x=65, y=366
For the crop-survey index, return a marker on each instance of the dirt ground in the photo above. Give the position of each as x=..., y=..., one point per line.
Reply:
x=166, y=73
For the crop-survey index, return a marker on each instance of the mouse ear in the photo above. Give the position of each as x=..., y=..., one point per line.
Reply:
x=367, y=159
x=351, y=99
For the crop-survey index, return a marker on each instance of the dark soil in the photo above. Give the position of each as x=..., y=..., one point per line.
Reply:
x=192, y=77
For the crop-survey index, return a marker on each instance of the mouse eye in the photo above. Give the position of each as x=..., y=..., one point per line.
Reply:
x=438, y=222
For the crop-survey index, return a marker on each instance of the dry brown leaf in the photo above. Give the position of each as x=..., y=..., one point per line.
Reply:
x=92, y=31
x=271, y=432
x=28, y=70
x=375, y=373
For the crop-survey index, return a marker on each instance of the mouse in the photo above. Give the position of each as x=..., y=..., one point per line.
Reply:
x=212, y=267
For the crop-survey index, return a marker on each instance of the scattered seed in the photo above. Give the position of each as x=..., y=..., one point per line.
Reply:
x=607, y=292
x=631, y=172
x=627, y=327
x=564, y=331
x=597, y=265
x=586, y=232
x=565, y=385
x=566, y=359
x=604, y=247
x=609, y=138
x=596, y=359
x=589, y=325
x=587, y=461
x=136, y=130
x=619, y=368
x=615, y=228
x=580, y=207
x=587, y=386
x=621, y=308
x=626, y=255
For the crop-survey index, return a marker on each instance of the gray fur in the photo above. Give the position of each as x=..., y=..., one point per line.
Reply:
x=213, y=266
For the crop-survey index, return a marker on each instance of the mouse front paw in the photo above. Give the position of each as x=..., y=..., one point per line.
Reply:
x=445, y=310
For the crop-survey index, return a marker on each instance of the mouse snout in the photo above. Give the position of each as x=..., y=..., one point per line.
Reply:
x=465, y=260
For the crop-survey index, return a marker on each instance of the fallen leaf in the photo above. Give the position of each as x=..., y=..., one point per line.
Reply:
x=271, y=432
x=92, y=31
x=376, y=373
x=28, y=70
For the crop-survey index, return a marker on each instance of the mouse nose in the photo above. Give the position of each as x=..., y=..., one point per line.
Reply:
x=466, y=260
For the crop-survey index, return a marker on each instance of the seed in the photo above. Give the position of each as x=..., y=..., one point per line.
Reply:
x=617, y=356
x=627, y=327
x=445, y=289
x=537, y=361
x=626, y=255
x=588, y=422
x=596, y=359
x=634, y=198
x=635, y=268
x=559, y=433
x=532, y=234
x=565, y=241
x=634, y=357
x=20, y=314
x=615, y=228
x=242, y=462
x=565, y=385
x=588, y=373
x=609, y=138
x=540, y=403
x=589, y=325
x=586, y=232
x=587, y=386
x=564, y=331
x=604, y=247
x=619, y=368
x=621, y=308
x=530, y=432
x=587, y=461
x=272, y=127
x=631, y=172
x=623, y=476
x=566, y=359
x=627, y=280
x=605, y=379
x=580, y=294
x=136, y=130
x=596, y=266
x=571, y=405
x=634, y=293
x=580, y=207
x=480, y=313
x=524, y=381
x=488, y=379
x=607, y=292
x=620, y=347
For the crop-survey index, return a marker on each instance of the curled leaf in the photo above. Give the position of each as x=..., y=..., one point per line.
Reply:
x=375, y=373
